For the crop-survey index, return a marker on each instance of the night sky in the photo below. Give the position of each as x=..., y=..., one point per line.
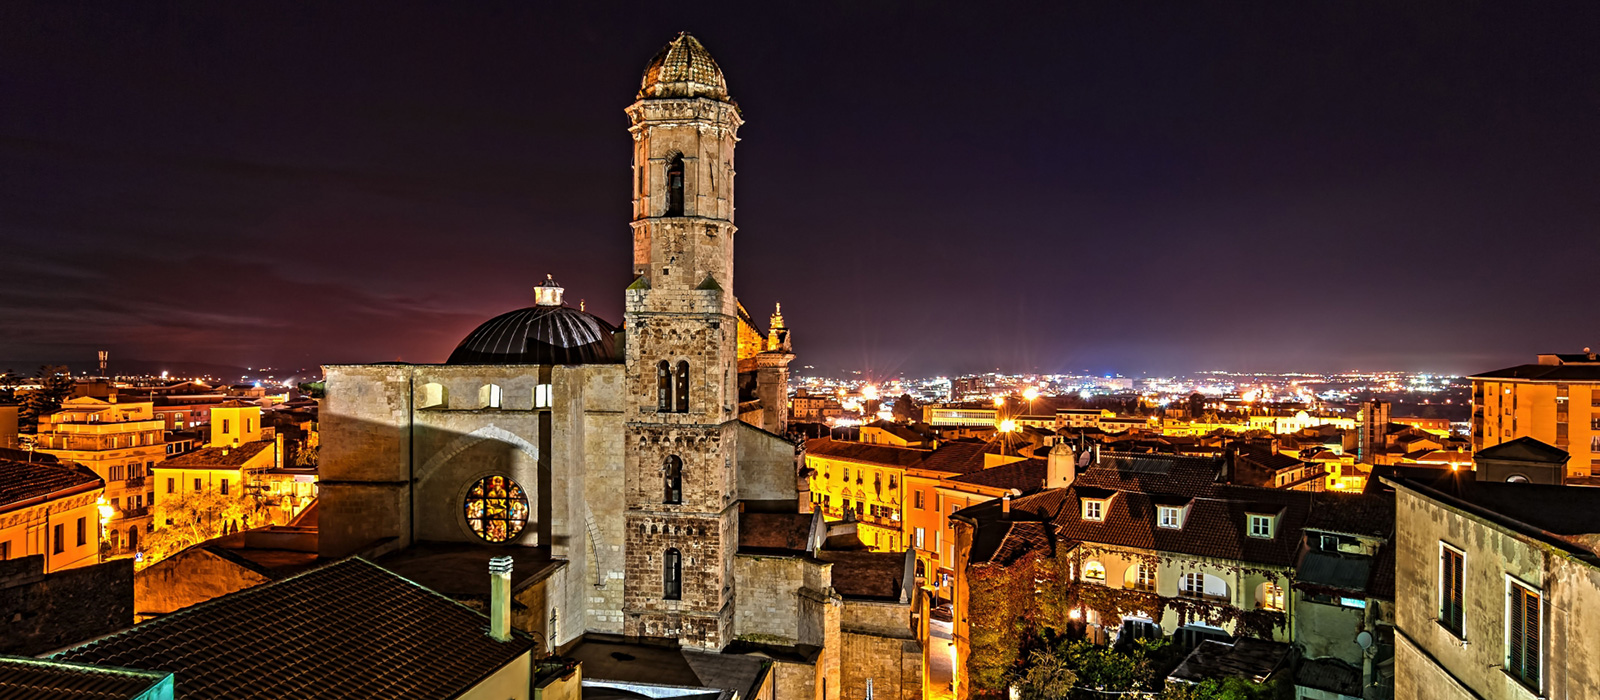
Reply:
x=1112, y=186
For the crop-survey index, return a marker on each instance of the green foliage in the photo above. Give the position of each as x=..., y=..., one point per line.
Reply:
x=906, y=409
x=56, y=385
x=1047, y=676
x=1229, y=689
x=196, y=517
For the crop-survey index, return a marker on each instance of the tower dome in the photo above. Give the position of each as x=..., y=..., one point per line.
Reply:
x=547, y=333
x=683, y=68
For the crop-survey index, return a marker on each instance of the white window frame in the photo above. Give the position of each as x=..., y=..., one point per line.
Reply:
x=542, y=397
x=1253, y=518
x=1176, y=514
x=1099, y=508
x=1094, y=563
x=1505, y=646
x=920, y=540
x=1438, y=597
x=1183, y=581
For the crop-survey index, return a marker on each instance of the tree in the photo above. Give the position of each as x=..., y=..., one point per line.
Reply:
x=184, y=520
x=55, y=385
x=1197, y=405
x=906, y=409
x=1047, y=677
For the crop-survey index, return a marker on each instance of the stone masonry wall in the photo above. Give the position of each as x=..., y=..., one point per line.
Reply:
x=47, y=612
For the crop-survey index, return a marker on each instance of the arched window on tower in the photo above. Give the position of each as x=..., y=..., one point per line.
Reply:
x=663, y=387
x=672, y=575
x=675, y=187
x=672, y=478
x=682, y=393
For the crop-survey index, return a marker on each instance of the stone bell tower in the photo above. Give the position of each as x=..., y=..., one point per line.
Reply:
x=682, y=337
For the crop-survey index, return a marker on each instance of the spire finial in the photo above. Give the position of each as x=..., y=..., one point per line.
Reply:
x=548, y=293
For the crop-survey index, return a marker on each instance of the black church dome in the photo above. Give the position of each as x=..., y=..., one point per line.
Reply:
x=549, y=333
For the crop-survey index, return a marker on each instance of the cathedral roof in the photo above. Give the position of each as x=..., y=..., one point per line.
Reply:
x=683, y=68
x=539, y=335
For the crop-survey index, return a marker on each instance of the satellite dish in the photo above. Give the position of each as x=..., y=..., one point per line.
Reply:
x=1365, y=640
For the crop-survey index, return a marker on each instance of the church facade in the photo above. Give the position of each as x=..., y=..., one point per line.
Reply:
x=635, y=473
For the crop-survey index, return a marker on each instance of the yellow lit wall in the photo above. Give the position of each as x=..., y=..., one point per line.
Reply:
x=1564, y=414
x=32, y=529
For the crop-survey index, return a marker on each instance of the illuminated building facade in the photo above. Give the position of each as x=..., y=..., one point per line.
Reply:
x=120, y=442
x=1555, y=401
x=50, y=509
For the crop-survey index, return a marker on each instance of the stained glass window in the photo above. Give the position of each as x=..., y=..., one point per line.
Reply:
x=497, y=508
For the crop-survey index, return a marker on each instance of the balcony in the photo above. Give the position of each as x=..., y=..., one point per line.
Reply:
x=139, y=512
x=133, y=481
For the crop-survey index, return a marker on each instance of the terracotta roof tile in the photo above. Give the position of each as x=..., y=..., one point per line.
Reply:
x=216, y=457
x=21, y=481
x=1026, y=475
x=38, y=679
x=347, y=630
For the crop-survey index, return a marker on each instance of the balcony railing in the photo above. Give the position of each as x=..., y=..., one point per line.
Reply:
x=133, y=481
x=1207, y=597
x=139, y=512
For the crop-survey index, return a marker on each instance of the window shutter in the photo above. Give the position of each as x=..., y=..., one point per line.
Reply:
x=1514, y=645
x=1530, y=636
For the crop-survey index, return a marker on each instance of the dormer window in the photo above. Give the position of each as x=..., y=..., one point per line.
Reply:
x=1260, y=526
x=1094, y=509
x=1170, y=517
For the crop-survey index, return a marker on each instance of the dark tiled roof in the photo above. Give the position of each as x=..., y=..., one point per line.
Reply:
x=957, y=458
x=1214, y=527
x=37, y=679
x=1548, y=373
x=1331, y=675
x=775, y=532
x=1353, y=513
x=1381, y=585
x=1248, y=658
x=1346, y=572
x=863, y=452
x=1022, y=476
x=1524, y=449
x=1003, y=544
x=214, y=457
x=1149, y=473
x=870, y=575
x=347, y=630
x=20, y=481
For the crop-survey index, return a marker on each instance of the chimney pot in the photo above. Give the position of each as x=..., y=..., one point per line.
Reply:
x=1005, y=503
x=500, y=598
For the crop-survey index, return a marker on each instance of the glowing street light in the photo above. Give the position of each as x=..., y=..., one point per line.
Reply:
x=999, y=402
x=1030, y=393
x=1008, y=426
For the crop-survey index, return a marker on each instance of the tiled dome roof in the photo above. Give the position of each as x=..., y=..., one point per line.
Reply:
x=683, y=68
x=539, y=335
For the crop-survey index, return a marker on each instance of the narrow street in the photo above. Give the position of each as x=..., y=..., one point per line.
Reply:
x=941, y=661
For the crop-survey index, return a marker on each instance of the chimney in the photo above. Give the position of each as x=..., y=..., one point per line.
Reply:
x=1005, y=504
x=1061, y=467
x=1096, y=454
x=500, y=599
